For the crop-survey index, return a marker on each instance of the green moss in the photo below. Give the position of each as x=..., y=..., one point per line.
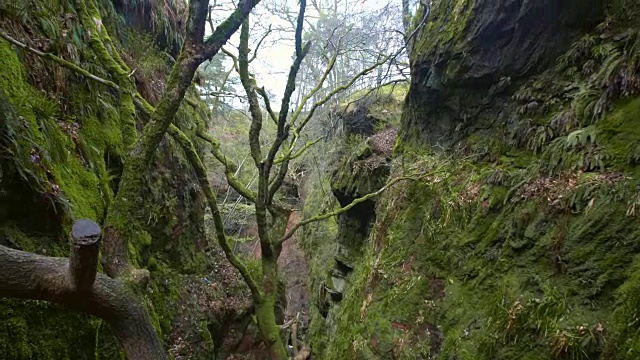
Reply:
x=41, y=330
x=460, y=265
x=356, y=176
x=162, y=296
x=319, y=239
x=620, y=132
x=37, y=243
x=57, y=185
x=82, y=189
x=66, y=156
x=395, y=92
x=625, y=316
x=444, y=29
x=14, y=71
x=57, y=152
x=539, y=263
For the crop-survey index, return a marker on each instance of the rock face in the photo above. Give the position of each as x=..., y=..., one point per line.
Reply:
x=469, y=51
x=363, y=173
x=519, y=239
x=482, y=41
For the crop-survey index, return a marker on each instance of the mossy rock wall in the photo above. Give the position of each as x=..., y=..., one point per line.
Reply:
x=520, y=240
x=467, y=50
x=61, y=153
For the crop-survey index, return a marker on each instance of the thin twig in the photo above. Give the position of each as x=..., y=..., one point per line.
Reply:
x=59, y=60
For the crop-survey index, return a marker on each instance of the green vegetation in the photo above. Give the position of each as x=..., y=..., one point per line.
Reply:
x=443, y=33
x=460, y=269
x=521, y=242
x=62, y=154
x=445, y=29
x=522, y=246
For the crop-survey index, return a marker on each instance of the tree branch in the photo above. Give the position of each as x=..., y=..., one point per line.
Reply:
x=225, y=30
x=276, y=184
x=25, y=275
x=283, y=127
x=299, y=25
x=221, y=94
x=249, y=85
x=201, y=173
x=60, y=61
x=233, y=58
x=83, y=259
x=230, y=167
x=300, y=127
x=92, y=21
x=224, y=86
x=102, y=46
x=255, y=52
x=267, y=104
x=323, y=78
x=193, y=53
x=289, y=155
x=351, y=205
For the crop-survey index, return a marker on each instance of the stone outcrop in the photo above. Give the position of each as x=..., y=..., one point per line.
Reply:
x=468, y=52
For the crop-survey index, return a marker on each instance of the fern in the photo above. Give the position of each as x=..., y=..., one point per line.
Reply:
x=593, y=160
x=524, y=93
x=587, y=106
x=554, y=157
x=579, y=343
x=16, y=10
x=609, y=69
x=530, y=108
x=47, y=112
x=589, y=67
x=518, y=135
x=563, y=121
x=16, y=148
x=576, y=54
x=576, y=151
x=633, y=153
x=603, y=51
x=633, y=205
x=538, y=137
x=580, y=139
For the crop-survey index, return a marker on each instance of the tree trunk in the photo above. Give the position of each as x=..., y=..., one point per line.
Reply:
x=265, y=310
x=124, y=233
x=123, y=229
x=266, y=307
x=83, y=260
x=76, y=285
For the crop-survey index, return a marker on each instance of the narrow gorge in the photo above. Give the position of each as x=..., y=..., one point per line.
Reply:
x=440, y=179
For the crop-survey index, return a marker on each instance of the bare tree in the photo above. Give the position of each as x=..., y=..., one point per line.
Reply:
x=272, y=165
x=360, y=36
